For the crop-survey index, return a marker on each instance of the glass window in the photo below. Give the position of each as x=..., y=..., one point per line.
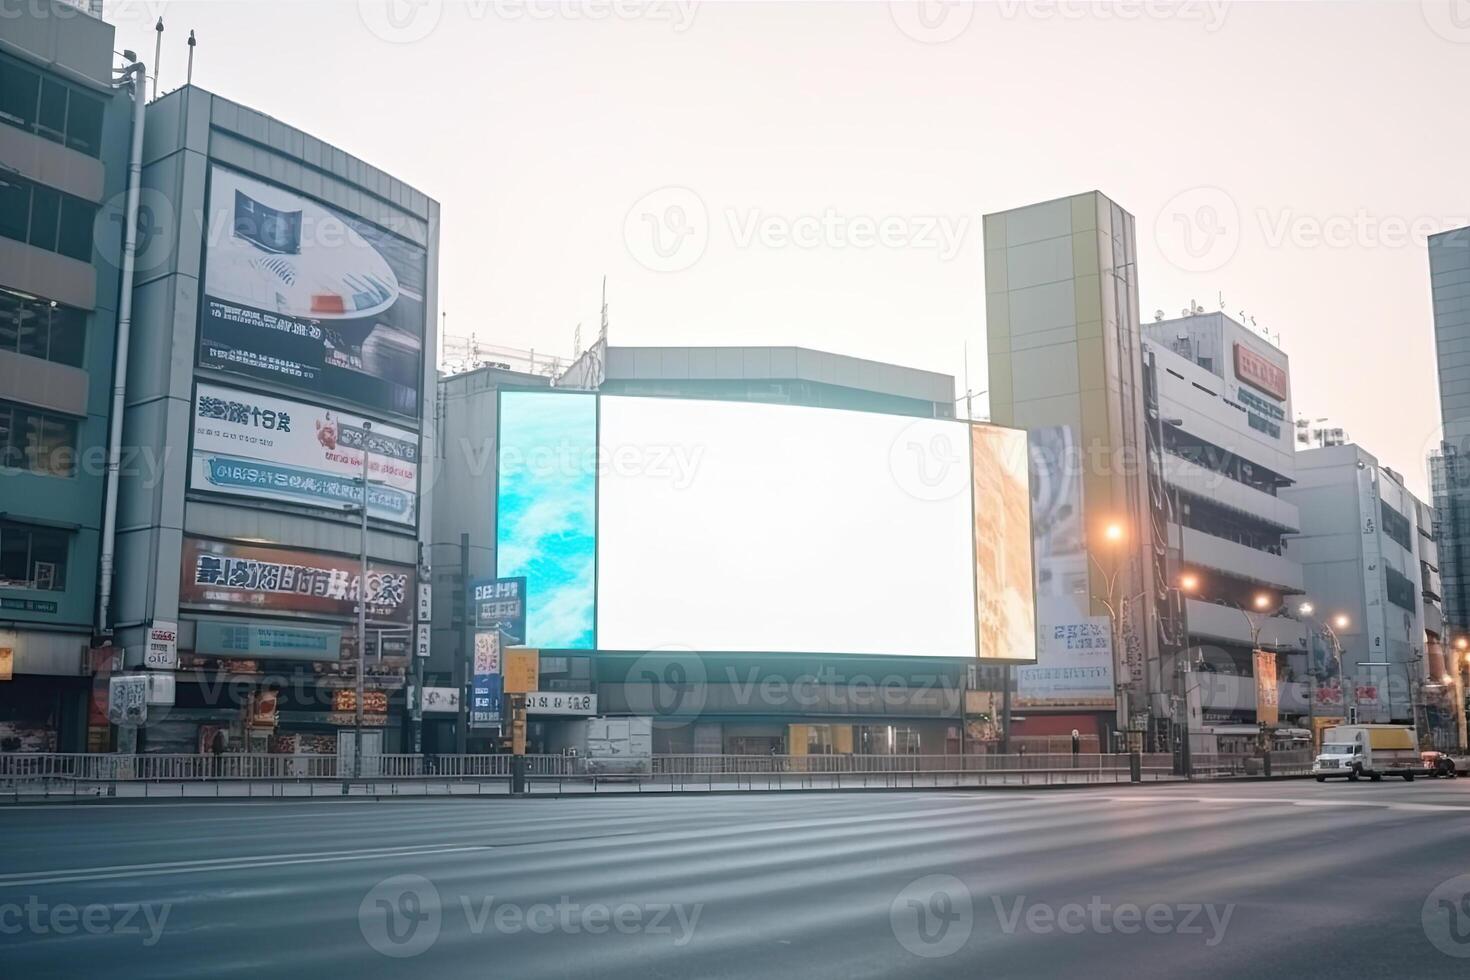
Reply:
x=48, y=559
x=18, y=87
x=84, y=123
x=31, y=330
x=76, y=228
x=50, y=443
x=68, y=336
x=51, y=119
x=45, y=214
x=11, y=306
x=15, y=546
x=11, y=456
x=15, y=208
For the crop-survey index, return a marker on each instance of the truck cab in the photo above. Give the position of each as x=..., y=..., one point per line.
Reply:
x=1375, y=751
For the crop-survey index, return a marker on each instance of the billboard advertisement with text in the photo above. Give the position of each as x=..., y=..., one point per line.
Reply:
x=301, y=295
x=256, y=444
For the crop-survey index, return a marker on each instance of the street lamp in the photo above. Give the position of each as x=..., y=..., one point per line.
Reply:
x=1113, y=534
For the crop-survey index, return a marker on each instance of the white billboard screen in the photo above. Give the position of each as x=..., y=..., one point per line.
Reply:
x=730, y=527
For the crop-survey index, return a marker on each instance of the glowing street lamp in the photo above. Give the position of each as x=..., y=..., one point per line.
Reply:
x=1189, y=582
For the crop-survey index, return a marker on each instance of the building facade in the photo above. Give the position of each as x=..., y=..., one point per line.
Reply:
x=282, y=344
x=1368, y=553
x=63, y=145
x=1449, y=282
x=1066, y=364
x=1224, y=417
x=751, y=704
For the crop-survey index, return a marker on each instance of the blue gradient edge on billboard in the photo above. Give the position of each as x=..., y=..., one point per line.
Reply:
x=546, y=520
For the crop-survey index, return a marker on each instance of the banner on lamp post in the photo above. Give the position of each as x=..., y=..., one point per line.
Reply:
x=1268, y=703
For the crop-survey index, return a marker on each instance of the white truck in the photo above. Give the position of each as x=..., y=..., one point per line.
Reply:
x=1375, y=751
x=608, y=746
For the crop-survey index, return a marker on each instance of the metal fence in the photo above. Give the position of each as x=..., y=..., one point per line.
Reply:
x=26, y=774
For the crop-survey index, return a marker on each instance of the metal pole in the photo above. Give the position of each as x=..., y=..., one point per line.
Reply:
x=138, y=85
x=362, y=593
x=466, y=648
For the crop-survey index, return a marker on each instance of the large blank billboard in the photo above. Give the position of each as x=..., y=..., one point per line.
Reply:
x=732, y=527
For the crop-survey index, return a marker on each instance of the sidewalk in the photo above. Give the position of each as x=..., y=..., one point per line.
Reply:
x=62, y=790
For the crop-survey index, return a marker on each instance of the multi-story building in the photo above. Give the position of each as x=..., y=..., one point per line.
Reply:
x=282, y=346
x=1368, y=554
x=63, y=147
x=1066, y=363
x=1224, y=418
x=749, y=703
x=1449, y=280
x=1319, y=434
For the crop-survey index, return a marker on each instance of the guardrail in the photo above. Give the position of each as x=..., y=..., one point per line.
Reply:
x=48, y=774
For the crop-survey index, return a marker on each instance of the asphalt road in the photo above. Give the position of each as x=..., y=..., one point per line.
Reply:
x=1287, y=879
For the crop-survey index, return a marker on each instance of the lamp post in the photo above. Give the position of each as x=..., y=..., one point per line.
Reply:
x=1117, y=606
x=1189, y=584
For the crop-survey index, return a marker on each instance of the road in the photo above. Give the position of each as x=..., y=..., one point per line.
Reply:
x=1284, y=879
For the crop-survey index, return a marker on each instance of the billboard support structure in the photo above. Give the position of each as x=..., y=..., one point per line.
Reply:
x=466, y=650
x=361, y=614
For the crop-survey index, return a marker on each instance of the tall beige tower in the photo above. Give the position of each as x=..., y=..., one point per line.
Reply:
x=1061, y=300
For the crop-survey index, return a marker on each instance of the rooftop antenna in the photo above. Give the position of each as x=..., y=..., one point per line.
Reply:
x=157, y=53
x=189, y=79
x=1222, y=299
x=969, y=411
x=603, y=335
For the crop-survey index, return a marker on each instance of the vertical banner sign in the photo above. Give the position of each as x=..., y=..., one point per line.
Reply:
x=485, y=687
x=162, y=652
x=500, y=603
x=1267, y=698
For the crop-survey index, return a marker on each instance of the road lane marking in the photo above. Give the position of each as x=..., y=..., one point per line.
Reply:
x=70, y=875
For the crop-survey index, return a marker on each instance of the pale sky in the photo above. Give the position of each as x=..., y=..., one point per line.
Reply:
x=816, y=172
